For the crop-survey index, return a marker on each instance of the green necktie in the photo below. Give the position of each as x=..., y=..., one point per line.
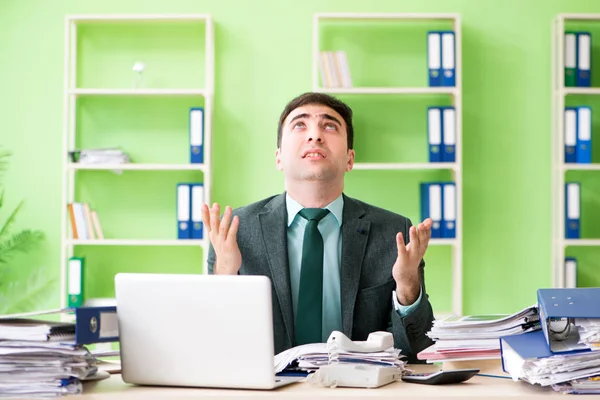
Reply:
x=309, y=315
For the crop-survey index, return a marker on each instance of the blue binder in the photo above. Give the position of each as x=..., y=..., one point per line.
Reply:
x=449, y=212
x=448, y=59
x=572, y=209
x=196, y=135
x=570, y=134
x=584, y=45
x=434, y=58
x=434, y=133
x=432, y=207
x=584, y=135
x=197, y=200
x=184, y=230
x=558, y=306
x=96, y=325
x=449, y=134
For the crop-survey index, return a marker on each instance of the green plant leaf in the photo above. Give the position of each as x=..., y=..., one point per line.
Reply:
x=10, y=220
x=20, y=242
x=4, y=154
x=32, y=294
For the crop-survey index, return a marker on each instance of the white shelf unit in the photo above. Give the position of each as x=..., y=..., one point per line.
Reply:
x=559, y=167
x=456, y=95
x=70, y=95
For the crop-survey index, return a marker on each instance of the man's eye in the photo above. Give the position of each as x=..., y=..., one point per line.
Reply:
x=331, y=126
x=299, y=125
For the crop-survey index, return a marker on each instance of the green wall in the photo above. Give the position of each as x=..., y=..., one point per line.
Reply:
x=263, y=59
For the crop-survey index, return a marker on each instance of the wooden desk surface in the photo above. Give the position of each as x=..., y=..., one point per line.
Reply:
x=477, y=387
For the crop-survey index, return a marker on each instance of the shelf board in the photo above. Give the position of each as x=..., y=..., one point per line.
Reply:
x=138, y=167
x=387, y=16
x=137, y=92
x=442, y=242
x=581, y=167
x=137, y=17
x=581, y=91
x=136, y=242
x=582, y=242
x=391, y=90
x=405, y=166
x=588, y=17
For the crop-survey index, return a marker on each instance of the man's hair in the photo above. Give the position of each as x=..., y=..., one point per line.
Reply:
x=324, y=100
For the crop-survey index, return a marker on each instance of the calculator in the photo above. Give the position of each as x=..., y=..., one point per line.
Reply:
x=441, y=377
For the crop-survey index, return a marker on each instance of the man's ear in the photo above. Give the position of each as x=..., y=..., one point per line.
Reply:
x=278, y=159
x=350, y=164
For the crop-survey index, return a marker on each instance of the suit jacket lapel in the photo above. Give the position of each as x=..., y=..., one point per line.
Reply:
x=273, y=219
x=355, y=234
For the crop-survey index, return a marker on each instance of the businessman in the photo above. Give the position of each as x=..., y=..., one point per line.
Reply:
x=336, y=263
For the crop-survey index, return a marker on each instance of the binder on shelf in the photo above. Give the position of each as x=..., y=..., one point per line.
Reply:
x=196, y=135
x=448, y=59
x=570, y=59
x=449, y=212
x=570, y=134
x=449, y=134
x=584, y=43
x=96, y=325
x=434, y=58
x=558, y=307
x=431, y=206
x=184, y=229
x=572, y=209
x=584, y=135
x=570, y=272
x=434, y=133
x=197, y=200
x=75, y=274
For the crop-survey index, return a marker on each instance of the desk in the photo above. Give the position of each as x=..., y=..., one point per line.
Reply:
x=477, y=387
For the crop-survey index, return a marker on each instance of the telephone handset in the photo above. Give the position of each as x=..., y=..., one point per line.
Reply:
x=376, y=341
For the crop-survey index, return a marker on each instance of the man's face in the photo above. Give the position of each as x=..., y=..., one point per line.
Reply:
x=314, y=145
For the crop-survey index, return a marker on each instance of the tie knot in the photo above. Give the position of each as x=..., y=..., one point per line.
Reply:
x=314, y=214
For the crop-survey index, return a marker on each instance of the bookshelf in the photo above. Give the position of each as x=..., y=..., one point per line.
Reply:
x=101, y=100
x=368, y=92
x=566, y=94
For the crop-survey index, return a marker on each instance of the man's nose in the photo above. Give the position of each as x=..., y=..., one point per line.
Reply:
x=315, y=135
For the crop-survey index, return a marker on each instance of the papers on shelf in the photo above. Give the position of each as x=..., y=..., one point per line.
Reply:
x=100, y=156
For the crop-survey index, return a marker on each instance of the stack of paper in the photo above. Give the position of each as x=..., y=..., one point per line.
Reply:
x=589, y=332
x=100, y=156
x=310, y=357
x=40, y=358
x=528, y=357
x=476, y=337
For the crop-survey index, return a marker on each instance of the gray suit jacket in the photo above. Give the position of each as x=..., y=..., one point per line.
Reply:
x=368, y=253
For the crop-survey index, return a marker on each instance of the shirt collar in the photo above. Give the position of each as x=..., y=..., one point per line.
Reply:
x=336, y=207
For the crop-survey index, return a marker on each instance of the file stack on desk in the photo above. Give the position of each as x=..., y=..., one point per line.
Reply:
x=45, y=357
x=310, y=357
x=476, y=337
x=564, y=354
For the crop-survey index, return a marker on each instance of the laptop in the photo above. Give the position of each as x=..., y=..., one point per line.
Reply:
x=197, y=331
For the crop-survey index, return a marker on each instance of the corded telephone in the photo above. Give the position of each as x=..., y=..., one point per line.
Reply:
x=376, y=341
x=356, y=374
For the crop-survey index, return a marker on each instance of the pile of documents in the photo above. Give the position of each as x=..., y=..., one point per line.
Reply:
x=476, y=337
x=310, y=357
x=528, y=357
x=111, y=155
x=40, y=358
x=564, y=353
